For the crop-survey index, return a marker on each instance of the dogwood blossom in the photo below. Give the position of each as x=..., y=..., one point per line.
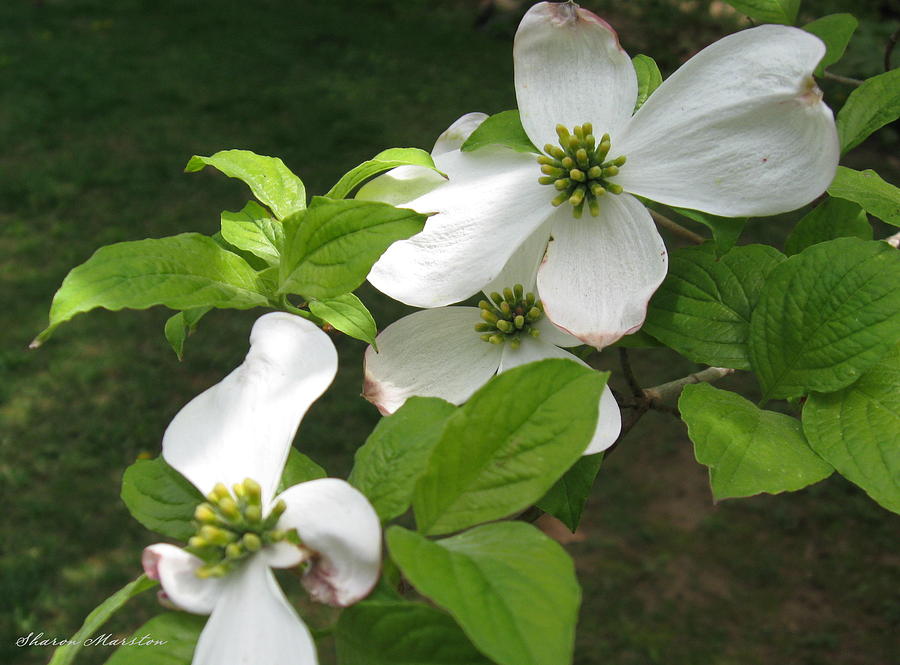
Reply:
x=739, y=130
x=232, y=442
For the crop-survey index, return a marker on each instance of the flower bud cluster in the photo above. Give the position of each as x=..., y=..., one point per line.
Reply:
x=510, y=316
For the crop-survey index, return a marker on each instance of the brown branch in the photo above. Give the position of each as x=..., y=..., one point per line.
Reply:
x=628, y=372
x=676, y=228
x=889, y=49
x=842, y=79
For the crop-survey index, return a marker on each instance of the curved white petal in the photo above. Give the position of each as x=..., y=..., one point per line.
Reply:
x=176, y=572
x=253, y=623
x=570, y=69
x=553, y=334
x=340, y=526
x=433, y=353
x=522, y=266
x=740, y=129
x=609, y=420
x=600, y=272
x=243, y=426
x=456, y=134
x=400, y=185
x=490, y=205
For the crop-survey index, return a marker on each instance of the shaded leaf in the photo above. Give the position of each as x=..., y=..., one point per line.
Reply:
x=866, y=188
x=160, y=498
x=833, y=218
x=348, y=314
x=504, y=128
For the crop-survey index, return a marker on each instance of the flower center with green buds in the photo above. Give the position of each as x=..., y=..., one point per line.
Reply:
x=231, y=527
x=509, y=317
x=579, y=170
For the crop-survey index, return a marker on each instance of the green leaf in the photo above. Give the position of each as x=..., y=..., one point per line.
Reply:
x=504, y=129
x=703, y=308
x=835, y=30
x=252, y=230
x=65, y=654
x=725, y=230
x=180, y=272
x=331, y=249
x=511, y=588
x=348, y=314
x=870, y=107
x=383, y=161
x=648, y=76
x=182, y=324
x=747, y=450
x=271, y=182
x=504, y=449
x=180, y=632
x=299, y=469
x=402, y=633
x=825, y=316
x=566, y=499
x=768, y=11
x=866, y=188
x=160, y=498
x=387, y=467
x=833, y=218
x=857, y=430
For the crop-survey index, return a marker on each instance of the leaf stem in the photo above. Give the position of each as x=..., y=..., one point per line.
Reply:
x=676, y=228
x=842, y=79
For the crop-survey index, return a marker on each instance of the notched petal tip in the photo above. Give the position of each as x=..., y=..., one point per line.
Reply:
x=569, y=14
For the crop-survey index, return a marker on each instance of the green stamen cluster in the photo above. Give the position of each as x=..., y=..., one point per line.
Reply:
x=510, y=316
x=578, y=168
x=231, y=527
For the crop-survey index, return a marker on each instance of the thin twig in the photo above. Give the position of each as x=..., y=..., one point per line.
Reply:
x=628, y=372
x=674, y=388
x=842, y=79
x=889, y=49
x=677, y=228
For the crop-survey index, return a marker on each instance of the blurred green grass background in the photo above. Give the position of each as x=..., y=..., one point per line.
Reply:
x=101, y=105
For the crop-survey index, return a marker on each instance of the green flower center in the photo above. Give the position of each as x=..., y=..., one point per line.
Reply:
x=510, y=316
x=579, y=170
x=231, y=527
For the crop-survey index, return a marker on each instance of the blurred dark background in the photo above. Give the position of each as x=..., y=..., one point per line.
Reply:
x=102, y=104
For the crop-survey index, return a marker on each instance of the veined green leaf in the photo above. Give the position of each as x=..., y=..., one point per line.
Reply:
x=870, y=107
x=160, y=498
x=747, y=450
x=511, y=588
x=835, y=30
x=504, y=128
x=348, y=314
x=252, y=230
x=383, y=161
x=178, y=630
x=181, y=272
x=768, y=11
x=648, y=75
x=180, y=325
x=566, y=499
x=271, y=182
x=299, y=469
x=877, y=197
x=833, y=218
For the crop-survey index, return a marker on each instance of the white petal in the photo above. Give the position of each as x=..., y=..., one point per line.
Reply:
x=176, y=571
x=400, y=185
x=609, y=420
x=740, y=129
x=570, y=69
x=457, y=133
x=553, y=334
x=339, y=524
x=490, y=205
x=600, y=272
x=522, y=266
x=243, y=426
x=253, y=623
x=433, y=353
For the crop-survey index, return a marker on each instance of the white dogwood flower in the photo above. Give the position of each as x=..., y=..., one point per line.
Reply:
x=738, y=130
x=232, y=442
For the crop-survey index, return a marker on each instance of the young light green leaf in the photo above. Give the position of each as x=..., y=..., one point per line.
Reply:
x=388, y=465
x=160, y=498
x=66, y=653
x=866, y=188
x=511, y=588
x=180, y=325
x=703, y=308
x=747, y=450
x=833, y=218
x=271, y=182
x=299, y=469
x=504, y=449
x=348, y=314
x=181, y=272
x=725, y=230
x=857, y=430
x=648, y=76
x=825, y=316
x=252, y=230
x=870, y=107
x=331, y=249
x=179, y=632
x=768, y=11
x=402, y=633
x=566, y=499
x=835, y=30
x=383, y=161
x=504, y=128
